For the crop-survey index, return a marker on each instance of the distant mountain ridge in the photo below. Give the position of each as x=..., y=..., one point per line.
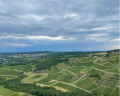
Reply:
x=33, y=52
x=115, y=50
x=67, y=52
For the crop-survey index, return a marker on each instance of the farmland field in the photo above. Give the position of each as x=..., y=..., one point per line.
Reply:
x=79, y=74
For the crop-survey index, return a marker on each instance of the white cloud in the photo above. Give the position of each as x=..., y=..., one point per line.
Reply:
x=98, y=37
x=100, y=28
x=70, y=15
x=117, y=39
x=32, y=16
x=81, y=30
x=104, y=28
x=15, y=45
x=34, y=37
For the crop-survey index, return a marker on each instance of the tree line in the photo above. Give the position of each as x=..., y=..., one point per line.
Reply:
x=46, y=63
x=37, y=90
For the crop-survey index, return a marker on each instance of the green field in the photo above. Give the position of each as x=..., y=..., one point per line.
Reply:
x=7, y=92
x=87, y=74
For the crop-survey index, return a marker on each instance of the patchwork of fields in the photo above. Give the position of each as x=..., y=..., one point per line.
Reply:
x=88, y=74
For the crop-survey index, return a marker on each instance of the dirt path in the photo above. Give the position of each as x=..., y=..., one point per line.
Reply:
x=74, y=86
x=60, y=71
x=99, y=86
x=95, y=61
x=71, y=72
x=103, y=71
x=79, y=79
x=13, y=70
x=33, y=68
x=7, y=75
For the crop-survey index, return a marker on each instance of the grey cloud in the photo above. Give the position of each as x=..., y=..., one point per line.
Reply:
x=78, y=18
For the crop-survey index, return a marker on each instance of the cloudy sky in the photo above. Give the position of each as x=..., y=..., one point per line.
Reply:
x=58, y=25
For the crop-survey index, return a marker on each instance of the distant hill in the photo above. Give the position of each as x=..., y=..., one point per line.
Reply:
x=58, y=52
x=34, y=52
x=115, y=50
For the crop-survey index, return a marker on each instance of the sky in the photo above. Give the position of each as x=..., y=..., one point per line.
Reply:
x=59, y=25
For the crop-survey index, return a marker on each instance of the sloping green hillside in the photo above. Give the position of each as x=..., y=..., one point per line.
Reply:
x=93, y=73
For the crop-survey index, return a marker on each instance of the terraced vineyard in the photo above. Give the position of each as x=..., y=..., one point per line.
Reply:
x=80, y=74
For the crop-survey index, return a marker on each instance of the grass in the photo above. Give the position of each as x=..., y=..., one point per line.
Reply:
x=93, y=71
x=18, y=67
x=9, y=72
x=36, y=76
x=7, y=92
x=30, y=78
x=106, y=68
x=111, y=82
x=77, y=69
x=87, y=83
x=7, y=77
x=116, y=92
x=104, y=90
x=68, y=87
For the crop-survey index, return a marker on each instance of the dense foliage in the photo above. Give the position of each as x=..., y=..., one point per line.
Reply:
x=69, y=54
x=46, y=63
x=19, y=78
x=37, y=90
x=95, y=75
